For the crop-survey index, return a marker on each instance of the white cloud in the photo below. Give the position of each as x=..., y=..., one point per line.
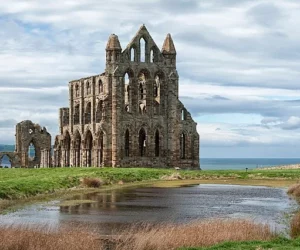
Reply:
x=234, y=56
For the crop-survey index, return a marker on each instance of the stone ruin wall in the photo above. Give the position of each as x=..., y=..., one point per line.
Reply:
x=28, y=133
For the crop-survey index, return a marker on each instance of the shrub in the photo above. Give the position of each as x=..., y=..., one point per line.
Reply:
x=295, y=226
x=294, y=190
x=91, y=182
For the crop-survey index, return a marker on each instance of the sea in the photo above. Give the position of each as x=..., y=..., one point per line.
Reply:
x=230, y=163
x=243, y=163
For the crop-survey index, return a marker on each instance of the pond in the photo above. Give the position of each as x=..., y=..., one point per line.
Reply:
x=110, y=210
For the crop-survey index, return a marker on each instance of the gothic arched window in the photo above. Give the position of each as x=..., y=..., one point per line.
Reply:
x=88, y=88
x=152, y=56
x=142, y=49
x=76, y=114
x=127, y=97
x=157, y=143
x=100, y=86
x=132, y=54
x=99, y=111
x=183, y=114
x=142, y=142
x=88, y=113
x=76, y=90
x=127, y=143
x=182, y=145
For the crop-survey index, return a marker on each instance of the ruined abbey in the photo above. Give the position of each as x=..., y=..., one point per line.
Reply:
x=128, y=116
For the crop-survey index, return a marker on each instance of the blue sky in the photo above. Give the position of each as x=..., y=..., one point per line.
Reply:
x=238, y=61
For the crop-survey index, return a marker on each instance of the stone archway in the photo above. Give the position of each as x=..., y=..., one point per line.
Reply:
x=28, y=133
x=13, y=157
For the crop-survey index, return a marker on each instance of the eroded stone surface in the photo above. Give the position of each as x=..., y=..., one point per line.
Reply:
x=130, y=115
x=29, y=133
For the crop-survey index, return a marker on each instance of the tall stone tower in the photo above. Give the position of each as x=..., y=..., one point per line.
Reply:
x=130, y=115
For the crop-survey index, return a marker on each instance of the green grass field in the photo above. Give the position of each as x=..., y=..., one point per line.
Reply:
x=276, y=244
x=22, y=183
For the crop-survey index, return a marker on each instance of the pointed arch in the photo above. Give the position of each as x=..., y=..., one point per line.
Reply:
x=88, y=88
x=142, y=49
x=142, y=142
x=183, y=114
x=5, y=161
x=127, y=144
x=132, y=54
x=67, y=148
x=127, y=93
x=76, y=114
x=77, y=149
x=157, y=144
x=151, y=55
x=89, y=148
x=100, y=148
x=142, y=83
x=88, y=113
x=100, y=86
x=32, y=154
x=182, y=145
x=99, y=111
x=76, y=90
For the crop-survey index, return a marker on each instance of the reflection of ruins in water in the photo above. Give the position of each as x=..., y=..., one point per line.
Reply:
x=98, y=201
x=115, y=210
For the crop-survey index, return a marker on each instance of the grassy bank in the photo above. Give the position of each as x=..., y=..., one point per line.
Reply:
x=22, y=183
x=275, y=244
x=18, y=184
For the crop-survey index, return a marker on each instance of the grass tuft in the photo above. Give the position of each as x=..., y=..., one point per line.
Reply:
x=91, y=182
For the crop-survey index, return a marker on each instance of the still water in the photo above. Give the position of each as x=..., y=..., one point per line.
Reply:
x=111, y=210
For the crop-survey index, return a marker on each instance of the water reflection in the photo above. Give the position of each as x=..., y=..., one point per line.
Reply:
x=111, y=210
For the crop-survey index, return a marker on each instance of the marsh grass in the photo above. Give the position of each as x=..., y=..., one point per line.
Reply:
x=91, y=182
x=294, y=190
x=138, y=237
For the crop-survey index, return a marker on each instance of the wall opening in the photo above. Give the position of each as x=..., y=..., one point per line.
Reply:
x=157, y=143
x=142, y=49
x=5, y=162
x=99, y=111
x=31, y=152
x=89, y=149
x=67, y=144
x=100, y=87
x=127, y=143
x=183, y=114
x=100, y=145
x=77, y=149
x=142, y=142
x=76, y=90
x=152, y=56
x=182, y=145
x=127, y=96
x=132, y=54
x=88, y=113
x=88, y=88
x=76, y=114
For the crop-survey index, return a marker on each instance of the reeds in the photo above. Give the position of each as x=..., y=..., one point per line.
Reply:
x=294, y=190
x=138, y=237
x=295, y=226
x=91, y=182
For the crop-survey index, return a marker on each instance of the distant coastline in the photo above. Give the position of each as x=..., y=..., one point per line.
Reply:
x=283, y=167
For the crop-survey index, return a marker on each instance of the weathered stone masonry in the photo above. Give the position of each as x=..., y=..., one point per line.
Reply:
x=29, y=133
x=130, y=115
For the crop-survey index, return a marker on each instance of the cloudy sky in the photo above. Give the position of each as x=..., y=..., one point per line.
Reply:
x=238, y=61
